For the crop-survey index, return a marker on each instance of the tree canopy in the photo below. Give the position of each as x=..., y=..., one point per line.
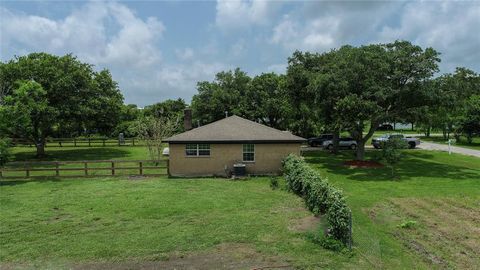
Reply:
x=358, y=88
x=76, y=99
x=349, y=89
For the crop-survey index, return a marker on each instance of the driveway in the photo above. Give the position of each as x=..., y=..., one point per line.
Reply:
x=454, y=149
x=423, y=145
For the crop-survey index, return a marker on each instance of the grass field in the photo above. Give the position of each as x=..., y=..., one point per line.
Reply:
x=82, y=154
x=437, y=192
x=428, y=218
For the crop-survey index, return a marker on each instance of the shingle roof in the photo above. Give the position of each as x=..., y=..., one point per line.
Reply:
x=234, y=129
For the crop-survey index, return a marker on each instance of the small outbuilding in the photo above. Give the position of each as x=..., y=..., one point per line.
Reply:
x=214, y=149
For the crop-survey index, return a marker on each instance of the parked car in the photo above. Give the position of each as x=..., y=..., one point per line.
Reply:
x=318, y=141
x=380, y=141
x=385, y=127
x=349, y=143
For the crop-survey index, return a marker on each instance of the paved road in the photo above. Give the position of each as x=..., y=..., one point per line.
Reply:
x=424, y=145
x=443, y=147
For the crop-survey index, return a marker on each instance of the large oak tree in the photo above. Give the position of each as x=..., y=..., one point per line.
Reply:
x=84, y=101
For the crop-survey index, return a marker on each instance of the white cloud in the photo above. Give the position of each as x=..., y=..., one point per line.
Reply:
x=184, y=54
x=84, y=32
x=317, y=34
x=106, y=34
x=449, y=27
x=171, y=81
x=323, y=25
x=236, y=14
x=239, y=48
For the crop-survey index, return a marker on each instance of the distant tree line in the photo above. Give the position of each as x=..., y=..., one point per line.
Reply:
x=349, y=89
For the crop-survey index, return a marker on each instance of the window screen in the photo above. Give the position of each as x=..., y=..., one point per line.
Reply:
x=196, y=150
x=248, y=152
x=204, y=149
x=191, y=149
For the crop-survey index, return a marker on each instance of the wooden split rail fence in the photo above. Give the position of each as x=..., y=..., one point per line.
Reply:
x=80, y=142
x=55, y=168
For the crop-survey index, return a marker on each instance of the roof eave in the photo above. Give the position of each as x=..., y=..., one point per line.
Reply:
x=235, y=141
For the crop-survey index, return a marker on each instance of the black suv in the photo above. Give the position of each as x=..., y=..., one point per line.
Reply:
x=318, y=141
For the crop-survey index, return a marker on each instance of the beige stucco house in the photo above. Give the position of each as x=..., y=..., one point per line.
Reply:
x=213, y=149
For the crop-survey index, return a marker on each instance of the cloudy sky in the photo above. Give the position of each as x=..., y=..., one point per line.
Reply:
x=158, y=50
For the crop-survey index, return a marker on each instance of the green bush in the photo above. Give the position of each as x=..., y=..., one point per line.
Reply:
x=316, y=194
x=320, y=197
x=4, y=151
x=338, y=216
x=392, y=153
x=274, y=183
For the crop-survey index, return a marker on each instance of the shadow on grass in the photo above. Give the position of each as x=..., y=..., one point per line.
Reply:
x=414, y=165
x=14, y=182
x=103, y=153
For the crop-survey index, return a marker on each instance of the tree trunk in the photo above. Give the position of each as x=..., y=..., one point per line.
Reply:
x=40, y=149
x=428, y=132
x=360, y=150
x=336, y=136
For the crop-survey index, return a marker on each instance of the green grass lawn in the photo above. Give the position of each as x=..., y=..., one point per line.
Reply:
x=82, y=154
x=55, y=223
x=462, y=143
x=75, y=221
x=441, y=193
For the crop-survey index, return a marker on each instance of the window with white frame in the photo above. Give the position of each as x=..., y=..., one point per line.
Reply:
x=197, y=149
x=249, y=152
x=204, y=149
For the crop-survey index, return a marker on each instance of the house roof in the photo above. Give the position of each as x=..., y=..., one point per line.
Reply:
x=234, y=129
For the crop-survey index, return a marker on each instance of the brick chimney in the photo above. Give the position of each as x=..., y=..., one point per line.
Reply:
x=187, y=119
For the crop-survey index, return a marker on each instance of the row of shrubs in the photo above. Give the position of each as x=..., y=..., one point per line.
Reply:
x=320, y=197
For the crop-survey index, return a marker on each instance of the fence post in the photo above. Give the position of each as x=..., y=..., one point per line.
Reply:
x=89, y=142
x=168, y=167
x=103, y=142
x=113, y=168
x=27, y=170
x=85, y=168
x=74, y=142
x=133, y=141
x=57, y=172
x=140, y=166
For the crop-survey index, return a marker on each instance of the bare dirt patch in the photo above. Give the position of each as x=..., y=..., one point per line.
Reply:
x=223, y=256
x=308, y=223
x=447, y=230
x=363, y=164
x=422, y=251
